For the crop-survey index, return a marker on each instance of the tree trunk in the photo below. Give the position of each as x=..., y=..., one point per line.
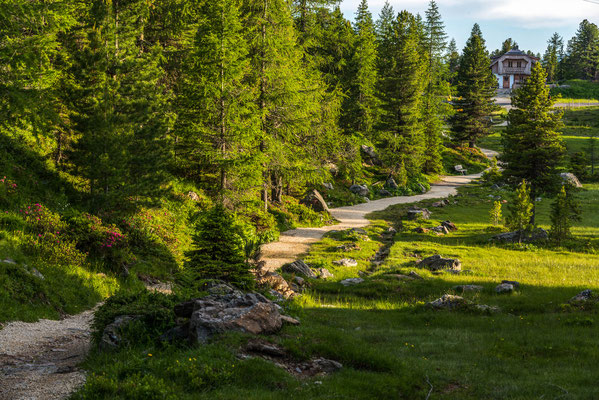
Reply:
x=277, y=188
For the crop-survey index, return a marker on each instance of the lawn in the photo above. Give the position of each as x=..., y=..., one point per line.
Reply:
x=390, y=344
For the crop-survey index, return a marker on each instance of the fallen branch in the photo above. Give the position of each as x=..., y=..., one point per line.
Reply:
x=431, y=390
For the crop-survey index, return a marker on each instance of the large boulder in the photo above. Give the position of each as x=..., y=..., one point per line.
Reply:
x=512, y=237
x=504, y=288
x=112, y=335
x=418, y=213
x=361, y=190
x=324, y=273
x=248, y=313
x=448, y=302
x=569, y=178
x=299, y=268
x=315, y=201
x=276, y=282
x=436, y=263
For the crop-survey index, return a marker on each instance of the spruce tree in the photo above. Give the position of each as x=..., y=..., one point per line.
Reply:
x=564, y=211
x=436, y=89
x=476, y=86
x=401, y=134
x=582, y=55
x=506, y=46
x=363, y=110
x=384, y=36
x=521, y=211
x=121, y=108
x=217, y=118
x=452, y=57
x=553, y=56
x=532, y=145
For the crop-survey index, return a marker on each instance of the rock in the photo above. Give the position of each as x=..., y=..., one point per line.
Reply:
x=348, y=247
x=449, y=225
x=351, y=281
x=504, y=288
x=468, y=288
x=34, y=272
x=436, y=263
x=299, y=280
x=315, y=201
x=361, y=190
x=359, y=231
x=418, y=213
x=370, y=154
x=495, y=187
x=487, y=309
x=324, y=366
x=276, y=282
x=415, y=275
x=328, y=186
x=261, y=347
x=392, y=230
x=248, y=313
x=447, y=302
x=288, y=320
x=422, y=230
x=346, y=262
x=583, y=296
x=9, y=261
x=391, y=184
x=515, y=284
x=193, y=196
x=221, y=288
x=323, y=273
x=385, y=193
x=112, y=334
x=333, y=168
x=422, y=188
x=569, y=178
x=299, y=268
x=512, y=237
x=439, y=204
x=440, y=229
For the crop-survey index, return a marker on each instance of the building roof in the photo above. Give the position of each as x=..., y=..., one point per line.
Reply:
x=513, y=52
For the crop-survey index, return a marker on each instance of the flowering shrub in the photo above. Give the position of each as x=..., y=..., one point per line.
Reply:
x=41, y=220
x=54, y=249
x=99, y=240
x=7, y=186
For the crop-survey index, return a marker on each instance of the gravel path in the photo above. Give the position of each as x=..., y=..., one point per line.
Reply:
x=295, y=243
x=39, y=361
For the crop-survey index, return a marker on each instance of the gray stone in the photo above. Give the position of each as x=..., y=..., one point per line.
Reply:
x=422, y=188
x=385, y=193
x=346, y=262
x=436, y=263
x=370, y=154
x=391, y=184
x=328, y=186
x=515, y=284
x=418, y=213
x=348, y=247
x=513, y=237
x=569, y=178
x=440, y=229
x=193, y=196
x=300, y=268
x=315, y=201
x=361, y=190
x=288, y=320
x=249, y=313
x=439, y=204
x=276, y=282
x=487, y=309
x=299, y=280
x=583, y=296
x=351, y=281
x=448, y=302
x=449, y=225
x=415, y=275
x=9, y=261
x=112, y=334
x=504, y=288
x=468, y=288
x=323, y=273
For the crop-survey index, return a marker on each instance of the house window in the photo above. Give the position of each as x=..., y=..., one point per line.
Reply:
x=510, y=64
x=519, y=64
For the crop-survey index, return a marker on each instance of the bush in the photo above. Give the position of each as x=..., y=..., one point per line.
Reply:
x=218, y=250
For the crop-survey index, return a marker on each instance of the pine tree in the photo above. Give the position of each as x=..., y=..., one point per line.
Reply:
x=521, y=211
x=506, y=46
x=436, y=89
x=533, y=147
x=582, y=54
x=121, y=107
x=401, y=136
x=495, y=213
x=553, y=56
x=217, y=250
x=564, y=211
x=384, y=34
x=363, y=110
x=217, y=117
x=453, y=61
x=475, y=90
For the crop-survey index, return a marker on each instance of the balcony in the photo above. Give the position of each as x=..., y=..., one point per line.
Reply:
x=514, y=70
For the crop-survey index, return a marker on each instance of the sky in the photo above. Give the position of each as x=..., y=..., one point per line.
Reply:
x=529, y=22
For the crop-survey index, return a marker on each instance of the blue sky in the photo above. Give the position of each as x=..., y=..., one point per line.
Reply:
x=528, y=22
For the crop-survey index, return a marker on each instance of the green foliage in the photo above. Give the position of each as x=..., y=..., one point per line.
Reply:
x=493, y=175
x=532, y=145
x=579, y=163
x=495, y=213
x=582, y=54
x=476, y=86
x=553, y=55
x=217, y=250
x=577, y=89
x=564, y=211
x=521, y=210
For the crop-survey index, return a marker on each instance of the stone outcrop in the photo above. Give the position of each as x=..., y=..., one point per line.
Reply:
x=437, y=263
x=447, y=302
x=299, y=268
x=418, y=213
x=351, y=281
x=112, y=334
x=513, y=237
x=276, y=282
x=504, y=288
x=361, y=190
x=346, y=262
x=569, y=178
x=468, y=288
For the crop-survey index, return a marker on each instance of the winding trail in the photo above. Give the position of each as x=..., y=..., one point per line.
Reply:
x=40, y=360
x=294, y=243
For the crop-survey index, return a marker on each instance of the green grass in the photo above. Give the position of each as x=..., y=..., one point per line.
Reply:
x=579, y=89
x=391, y=345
